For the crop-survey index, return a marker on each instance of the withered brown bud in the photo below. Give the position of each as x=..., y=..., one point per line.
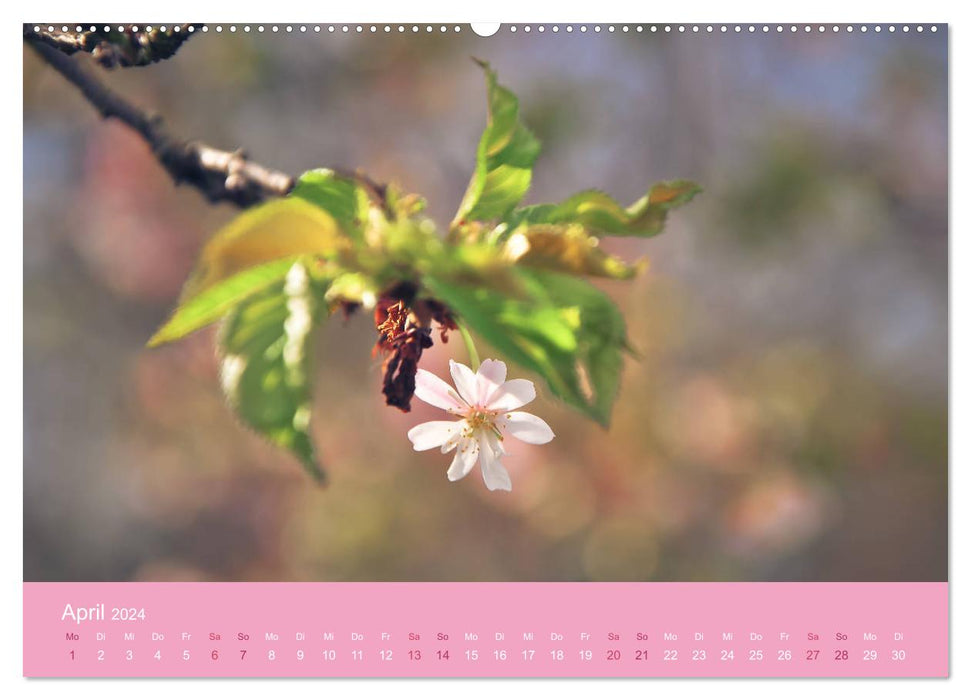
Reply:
x=404, y=333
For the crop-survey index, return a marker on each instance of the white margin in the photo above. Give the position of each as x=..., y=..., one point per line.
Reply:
x=602, y=11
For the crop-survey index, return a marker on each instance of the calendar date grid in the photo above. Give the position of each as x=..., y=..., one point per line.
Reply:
x=471, y=647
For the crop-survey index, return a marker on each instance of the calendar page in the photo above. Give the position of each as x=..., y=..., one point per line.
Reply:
x=485, y=351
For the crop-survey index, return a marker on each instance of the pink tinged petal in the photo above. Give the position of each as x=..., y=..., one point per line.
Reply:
x=528, y=428
x=491, y=375
x=493, y=473
x=425, y=436
x=464, y=379
x=464, y=460
x=512, y=395
x=436, y=392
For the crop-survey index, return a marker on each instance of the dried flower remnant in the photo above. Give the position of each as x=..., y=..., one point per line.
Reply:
x=404, y=333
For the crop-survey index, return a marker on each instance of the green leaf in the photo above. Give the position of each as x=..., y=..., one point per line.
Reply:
x=504, y=159
x=340, y=197
x=265, y=352
x=569, y=249
x=600, y=214
x=560, y=327
x=283, y=228
x=353, y=288
x=216, y=301
x=601, y=338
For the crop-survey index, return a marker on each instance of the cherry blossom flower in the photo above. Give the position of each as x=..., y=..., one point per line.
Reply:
x=486, y=405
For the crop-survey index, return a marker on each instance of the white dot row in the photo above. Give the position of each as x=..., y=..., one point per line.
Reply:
x=569, y=28
x=725, y=28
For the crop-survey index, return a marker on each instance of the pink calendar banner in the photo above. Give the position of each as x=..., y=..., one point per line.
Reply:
x=486, y=629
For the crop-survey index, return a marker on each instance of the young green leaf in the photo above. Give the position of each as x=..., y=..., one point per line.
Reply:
x=569, y=249
x=216, y=301
x=340, y=197
x=601, y=215
x=352, y=288
x=504, y=159
x=283, y=228
x=601, y=338
x=561, y=327
x=265, y=352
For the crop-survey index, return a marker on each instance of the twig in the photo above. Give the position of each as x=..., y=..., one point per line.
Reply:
x=219, y=175
x=117, y=47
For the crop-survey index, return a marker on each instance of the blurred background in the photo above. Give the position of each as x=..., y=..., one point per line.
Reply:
x=787, y=419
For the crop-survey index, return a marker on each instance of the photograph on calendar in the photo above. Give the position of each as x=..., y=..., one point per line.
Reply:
x=576, y=303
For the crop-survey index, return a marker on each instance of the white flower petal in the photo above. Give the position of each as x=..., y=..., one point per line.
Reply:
x=465, y=458
x=493, y=473
x=425, y=436
x=512, y=395
x=434, y=391
x=496, y=444
x=453, y=440
x=464, y=379
x=491, y=375
x=528, y=428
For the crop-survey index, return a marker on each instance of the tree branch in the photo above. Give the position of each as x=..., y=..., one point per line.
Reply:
x=219, y=175
x=122, y=47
